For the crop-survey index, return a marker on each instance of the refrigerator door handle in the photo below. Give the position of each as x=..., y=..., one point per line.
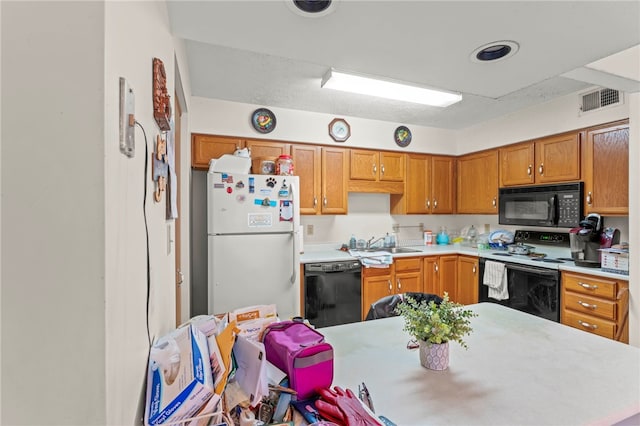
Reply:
x=294, y=235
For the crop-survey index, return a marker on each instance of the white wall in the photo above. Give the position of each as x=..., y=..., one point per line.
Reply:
x=231, y=118
x=74, y=276
x=53, y=214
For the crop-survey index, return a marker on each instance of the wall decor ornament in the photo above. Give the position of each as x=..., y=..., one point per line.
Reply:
x=339, y=129
x=263, y=120
x=402, y=136
x=160, y=168
x=161, y=98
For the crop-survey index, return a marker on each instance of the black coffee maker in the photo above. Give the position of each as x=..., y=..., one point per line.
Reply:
x=587, y=239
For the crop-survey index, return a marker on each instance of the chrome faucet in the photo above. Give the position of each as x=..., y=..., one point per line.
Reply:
x=373, y=241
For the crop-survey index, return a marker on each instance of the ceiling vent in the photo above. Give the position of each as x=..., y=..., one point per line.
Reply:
x=600, y=98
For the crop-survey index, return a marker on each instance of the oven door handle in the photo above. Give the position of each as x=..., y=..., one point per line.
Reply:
x=533, y=270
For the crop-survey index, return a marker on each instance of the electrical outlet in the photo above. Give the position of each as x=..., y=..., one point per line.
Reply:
x=309, y=229
x=127, y=119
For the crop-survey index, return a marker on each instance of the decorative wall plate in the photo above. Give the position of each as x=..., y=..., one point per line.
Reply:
x=402, y=136
x=263, y=120
x=339, y=129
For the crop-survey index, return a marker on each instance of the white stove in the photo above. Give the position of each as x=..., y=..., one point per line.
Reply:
x=550, y=249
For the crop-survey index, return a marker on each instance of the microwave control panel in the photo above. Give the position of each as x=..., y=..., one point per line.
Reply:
x=569, y=213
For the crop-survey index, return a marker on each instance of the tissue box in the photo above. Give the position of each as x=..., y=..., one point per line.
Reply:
x=179, y=380
x=615, y=260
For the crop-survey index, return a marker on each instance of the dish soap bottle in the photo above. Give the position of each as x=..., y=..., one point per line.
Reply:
x=472, y=235
x=352, y=242
x=442, y=237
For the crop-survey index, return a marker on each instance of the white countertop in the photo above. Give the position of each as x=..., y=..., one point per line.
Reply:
x=330, y=252
x=519, y=370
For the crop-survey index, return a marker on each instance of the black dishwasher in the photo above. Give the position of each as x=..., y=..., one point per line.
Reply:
x=332, y=293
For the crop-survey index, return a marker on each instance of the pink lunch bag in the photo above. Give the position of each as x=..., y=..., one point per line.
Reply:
x=301, y=352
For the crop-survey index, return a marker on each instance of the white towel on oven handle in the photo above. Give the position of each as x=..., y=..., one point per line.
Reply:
x=495, y=277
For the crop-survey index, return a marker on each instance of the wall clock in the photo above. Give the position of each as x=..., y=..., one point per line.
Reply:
x=339, y=129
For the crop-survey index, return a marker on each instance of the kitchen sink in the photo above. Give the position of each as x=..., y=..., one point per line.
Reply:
x=393, y=250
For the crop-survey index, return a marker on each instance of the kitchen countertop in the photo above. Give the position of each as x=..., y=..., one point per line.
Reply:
x=519, y=370
x=329, y=252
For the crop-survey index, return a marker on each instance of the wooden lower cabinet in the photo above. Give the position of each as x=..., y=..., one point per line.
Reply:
x=467, y=280
x=440, y=275
x=595, y=304
x=404, y=275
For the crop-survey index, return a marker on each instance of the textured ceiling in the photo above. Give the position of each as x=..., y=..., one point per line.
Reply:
x=266, y=53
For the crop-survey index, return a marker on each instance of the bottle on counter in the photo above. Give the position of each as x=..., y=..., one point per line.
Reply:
x=352, y=242
x=428, y=238
x=472, y=236
x=443, y=236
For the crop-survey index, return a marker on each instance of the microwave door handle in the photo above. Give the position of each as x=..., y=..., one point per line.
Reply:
x=553, y=209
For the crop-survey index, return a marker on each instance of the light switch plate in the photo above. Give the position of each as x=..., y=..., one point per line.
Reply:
x=127, y=119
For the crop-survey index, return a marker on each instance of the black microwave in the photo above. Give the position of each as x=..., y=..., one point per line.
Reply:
x=542, y=205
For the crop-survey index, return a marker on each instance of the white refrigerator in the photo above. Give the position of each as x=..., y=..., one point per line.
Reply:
x=253, y=242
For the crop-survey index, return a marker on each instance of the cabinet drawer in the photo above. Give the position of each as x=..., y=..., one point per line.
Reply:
x=408, y=264
x=591, y=324
x=377, y=272
x=583, y=284
x=590, y=305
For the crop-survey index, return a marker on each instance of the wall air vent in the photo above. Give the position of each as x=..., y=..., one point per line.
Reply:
x=600, y=98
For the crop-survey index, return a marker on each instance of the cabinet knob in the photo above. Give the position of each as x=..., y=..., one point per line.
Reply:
x=587, y=325
x=494, y=202
x=587, y=305
x=474, y=269
x=529, y=170
x=435, y=267
x=375, y=169
x=435, y=204
x=428, y=204
x=390, y=287
x=315, y=201
x=541, y=169
x=589, y=198
x=399, y=284
x=382, y=169
x=324, y=201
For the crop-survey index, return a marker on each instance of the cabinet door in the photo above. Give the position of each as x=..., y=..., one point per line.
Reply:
x=558, y=158
x=392, y=166
x=416, y=198
x=335, y=170
x=363, y=165
x=517, y=164
x=448, y=273
x=373, y=289
x=408, y=282
x=467, y=280
x=442, y=175
x=269, y=149
x=206, y=147
x=607, y=170
x=478, y=183
x=431, y=275
x=307, y=160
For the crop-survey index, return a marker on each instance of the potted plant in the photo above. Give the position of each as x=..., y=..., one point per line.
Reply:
x=434, y=325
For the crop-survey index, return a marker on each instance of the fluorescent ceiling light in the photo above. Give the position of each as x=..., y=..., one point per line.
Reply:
x=338, y=80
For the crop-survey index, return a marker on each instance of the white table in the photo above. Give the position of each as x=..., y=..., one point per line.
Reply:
x=519, y=370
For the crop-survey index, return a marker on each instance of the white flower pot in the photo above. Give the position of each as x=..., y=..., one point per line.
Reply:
x=434, y=356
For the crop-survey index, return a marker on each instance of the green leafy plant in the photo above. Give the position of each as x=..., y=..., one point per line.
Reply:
x=433, y=323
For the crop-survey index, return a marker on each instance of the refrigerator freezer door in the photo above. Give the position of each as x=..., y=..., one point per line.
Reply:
x=239, y=204
x=247, y=270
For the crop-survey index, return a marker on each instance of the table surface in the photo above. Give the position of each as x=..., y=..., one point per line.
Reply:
x=519, y=370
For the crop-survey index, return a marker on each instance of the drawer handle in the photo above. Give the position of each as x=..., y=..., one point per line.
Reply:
x=399, y=283
x=474, y=269
x=324, y=201
x=587, y=305
x=588, y=286
x=587, y=325
x=390, y=287
x=315, y=202
x=529, y=170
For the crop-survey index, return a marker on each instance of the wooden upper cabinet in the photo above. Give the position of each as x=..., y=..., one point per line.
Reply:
x=548, y=160
x=376, y=166
x=206, y=147
x=334, y=176
x=428, y=186
x=307, y=161
x=269, y=149
x=477, y=181
x=442, y=182
x=606, y=174
x=558, y=158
